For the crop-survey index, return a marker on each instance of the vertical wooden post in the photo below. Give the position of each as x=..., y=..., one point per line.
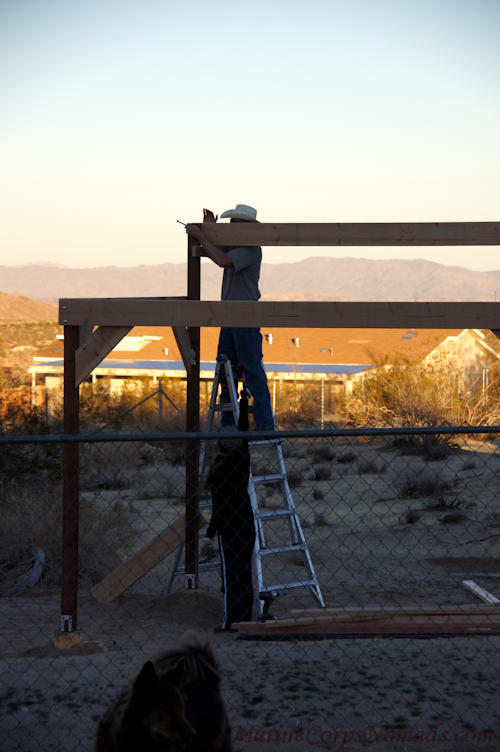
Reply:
x=192, y=423
x=71, y=452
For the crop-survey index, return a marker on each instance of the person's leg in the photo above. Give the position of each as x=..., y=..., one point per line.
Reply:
x=245, y=571
x=248, y=344
x=226, y=347
x=229, y=551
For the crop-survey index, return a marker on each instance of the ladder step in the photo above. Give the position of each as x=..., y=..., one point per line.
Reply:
x=275, y=513
x=261, y=479
x=282, y=549
x=304, y=583
x=265, y=442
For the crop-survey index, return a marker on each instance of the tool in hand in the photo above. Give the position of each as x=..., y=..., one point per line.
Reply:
x=181, y=223
x=268, y=596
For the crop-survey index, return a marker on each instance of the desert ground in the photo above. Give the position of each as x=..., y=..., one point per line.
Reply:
x=383, y=528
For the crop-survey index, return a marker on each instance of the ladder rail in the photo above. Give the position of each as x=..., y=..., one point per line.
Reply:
x=287, y=513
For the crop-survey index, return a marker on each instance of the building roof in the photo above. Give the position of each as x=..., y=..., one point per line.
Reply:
x=301, y=351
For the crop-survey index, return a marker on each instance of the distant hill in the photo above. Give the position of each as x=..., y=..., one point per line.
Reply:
x=21, y=308
x=317, y=278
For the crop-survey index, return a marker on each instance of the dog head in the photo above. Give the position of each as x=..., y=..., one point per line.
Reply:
x=157, y=711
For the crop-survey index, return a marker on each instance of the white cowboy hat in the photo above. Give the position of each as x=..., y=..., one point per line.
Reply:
x=247, y=213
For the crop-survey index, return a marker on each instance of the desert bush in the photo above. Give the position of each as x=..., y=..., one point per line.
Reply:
x=30, y=518
x=411, y=517
x=346, y=457
x=469, y=465
x=18, y=461
x=320, y=520
x=410, y=392
x=454, y=519
x=432, y=447
x=294, y=478
x=318, y=494
x=442, y=504
x=371, y=466
x=322, y=472
x=323, y=453
x=104, y=481
x=417, y=485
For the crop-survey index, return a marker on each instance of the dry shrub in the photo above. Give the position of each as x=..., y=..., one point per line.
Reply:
x=318, y=494
x=423, y=393
x=294, y=478
x=442, y=504
x=371, y=466
x=417, y=485
x=454, y=519
x=431, y=447
x=411, y=517
x=104, y=481
x=322, y=472
x=323, y=454
x=30, y=518
x=346, y=457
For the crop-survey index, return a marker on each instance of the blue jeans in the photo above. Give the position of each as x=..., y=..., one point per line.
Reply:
x=245, y=345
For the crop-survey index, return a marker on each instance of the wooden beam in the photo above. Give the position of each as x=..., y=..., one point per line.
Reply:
x=354, y=233
x=71, y=485
x=192, y=424
x=344, y=315
x=184, y=344
x=130, y=571
x=96, y=347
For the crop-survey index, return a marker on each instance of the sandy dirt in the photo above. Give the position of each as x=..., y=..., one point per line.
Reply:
x=365, y=553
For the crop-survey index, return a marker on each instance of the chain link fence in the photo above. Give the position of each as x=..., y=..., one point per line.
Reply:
x=395, y=521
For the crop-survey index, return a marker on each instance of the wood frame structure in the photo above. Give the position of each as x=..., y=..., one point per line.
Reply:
x=86, y=346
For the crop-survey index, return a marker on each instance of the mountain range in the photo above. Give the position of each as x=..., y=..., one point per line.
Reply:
x=316, y=278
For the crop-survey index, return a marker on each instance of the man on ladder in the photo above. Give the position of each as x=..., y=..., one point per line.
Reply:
x=240, y=282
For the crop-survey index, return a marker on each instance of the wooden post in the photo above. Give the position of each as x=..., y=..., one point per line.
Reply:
x=192, y=423
x=69, y=571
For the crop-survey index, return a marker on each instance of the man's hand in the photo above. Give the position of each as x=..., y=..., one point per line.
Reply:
x=208, y=216
x=194, y=231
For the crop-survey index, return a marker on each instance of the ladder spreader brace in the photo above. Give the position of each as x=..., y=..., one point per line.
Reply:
x=224, y=373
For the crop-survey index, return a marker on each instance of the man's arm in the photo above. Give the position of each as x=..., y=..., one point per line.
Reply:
x=221, y=258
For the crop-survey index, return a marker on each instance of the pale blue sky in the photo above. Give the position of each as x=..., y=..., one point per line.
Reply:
x=118, y=117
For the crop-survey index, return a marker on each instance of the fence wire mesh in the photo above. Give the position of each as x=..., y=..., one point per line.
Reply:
x=394, y=523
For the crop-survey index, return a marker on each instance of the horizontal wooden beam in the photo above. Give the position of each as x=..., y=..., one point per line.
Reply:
x=344, y=315
x=354, y=233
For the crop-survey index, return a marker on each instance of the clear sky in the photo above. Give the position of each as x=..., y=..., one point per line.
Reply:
x=118, y=117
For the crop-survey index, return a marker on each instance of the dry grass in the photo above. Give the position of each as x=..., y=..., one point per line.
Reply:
x=417, y=485
x=323, y=453
x=374, y=466
x=322, y=472
x=346, y=457
x=30, y=518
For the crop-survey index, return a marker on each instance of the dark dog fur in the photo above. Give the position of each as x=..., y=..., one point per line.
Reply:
x=174, y=704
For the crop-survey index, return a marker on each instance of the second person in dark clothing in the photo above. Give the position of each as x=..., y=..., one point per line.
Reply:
x=232, y=519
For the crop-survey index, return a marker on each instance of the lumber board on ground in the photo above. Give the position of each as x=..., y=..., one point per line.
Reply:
x=115, y=312
x=96, y=347
x=480, y=592
x=372, y=628
x=353, y=233
x=130, y=571
x=446, y=608
x=457, y=612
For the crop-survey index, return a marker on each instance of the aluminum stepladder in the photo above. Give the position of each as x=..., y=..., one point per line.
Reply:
x=224, y=374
